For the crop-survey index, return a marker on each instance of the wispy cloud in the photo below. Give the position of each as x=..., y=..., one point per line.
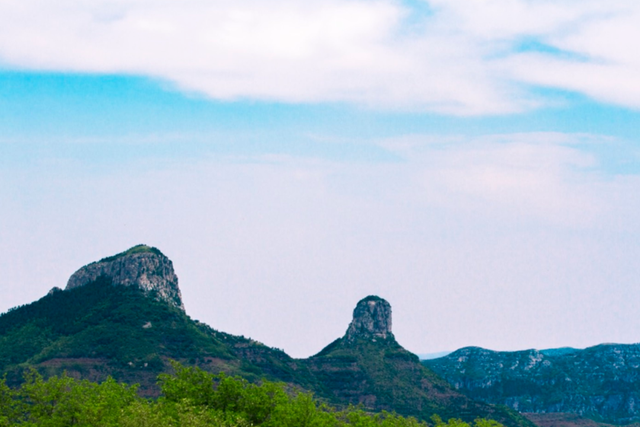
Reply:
x=548, y=177
x=465, y=57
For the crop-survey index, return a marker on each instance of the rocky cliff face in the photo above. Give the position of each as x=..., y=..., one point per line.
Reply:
x=141, y=266
x=601, y=382
x=371, y=320
x=368, y=367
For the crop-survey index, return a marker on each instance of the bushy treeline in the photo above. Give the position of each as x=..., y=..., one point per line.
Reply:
x=190, y=397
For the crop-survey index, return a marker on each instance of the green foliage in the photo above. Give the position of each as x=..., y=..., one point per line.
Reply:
x=64, y=401
x=455, y=422
x=191, y=398
x=254, y=403
x=7, y=404
x=99, y=330
x=100, y=321
x=270, y=405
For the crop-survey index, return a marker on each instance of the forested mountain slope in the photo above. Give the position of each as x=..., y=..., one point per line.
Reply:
x=601, y=382
x=100, y=330
x=123, y=317
x=367, y=366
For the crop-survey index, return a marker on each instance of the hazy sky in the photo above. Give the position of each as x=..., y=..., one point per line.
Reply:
x=476, y=162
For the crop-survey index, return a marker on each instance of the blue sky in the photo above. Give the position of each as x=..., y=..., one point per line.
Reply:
x=69, y=110
x=475, y=163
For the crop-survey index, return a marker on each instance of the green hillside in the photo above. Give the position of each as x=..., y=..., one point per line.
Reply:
x=98, y=330
x=380, y=374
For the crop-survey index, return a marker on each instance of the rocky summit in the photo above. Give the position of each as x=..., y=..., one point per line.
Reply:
x=371, y=320
x=368, y=367
x=142, y=266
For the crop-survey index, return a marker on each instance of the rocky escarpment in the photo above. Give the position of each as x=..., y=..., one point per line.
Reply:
x=141, y=266
x=368, y=367
x=601, y=382
x=371, y=320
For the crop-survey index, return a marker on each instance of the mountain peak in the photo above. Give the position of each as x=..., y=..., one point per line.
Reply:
x=371, y=320
x=142, y=266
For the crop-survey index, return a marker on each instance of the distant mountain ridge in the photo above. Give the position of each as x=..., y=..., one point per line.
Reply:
x=600, y=382
x=115, y=318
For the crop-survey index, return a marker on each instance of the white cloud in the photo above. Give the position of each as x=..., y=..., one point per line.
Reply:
x=595, y=42
x=462, y=59
x=544, y=177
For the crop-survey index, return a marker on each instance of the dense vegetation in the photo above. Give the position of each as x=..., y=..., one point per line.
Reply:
x=380, y=373
x=190, y=397
x=100, y=330
x=94, y=321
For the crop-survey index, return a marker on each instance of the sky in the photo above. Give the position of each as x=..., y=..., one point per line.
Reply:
x=476, y=163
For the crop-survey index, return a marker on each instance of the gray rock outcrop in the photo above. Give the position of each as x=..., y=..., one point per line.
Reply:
x=142, y=266
x=371, y=320
x=600, y=382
